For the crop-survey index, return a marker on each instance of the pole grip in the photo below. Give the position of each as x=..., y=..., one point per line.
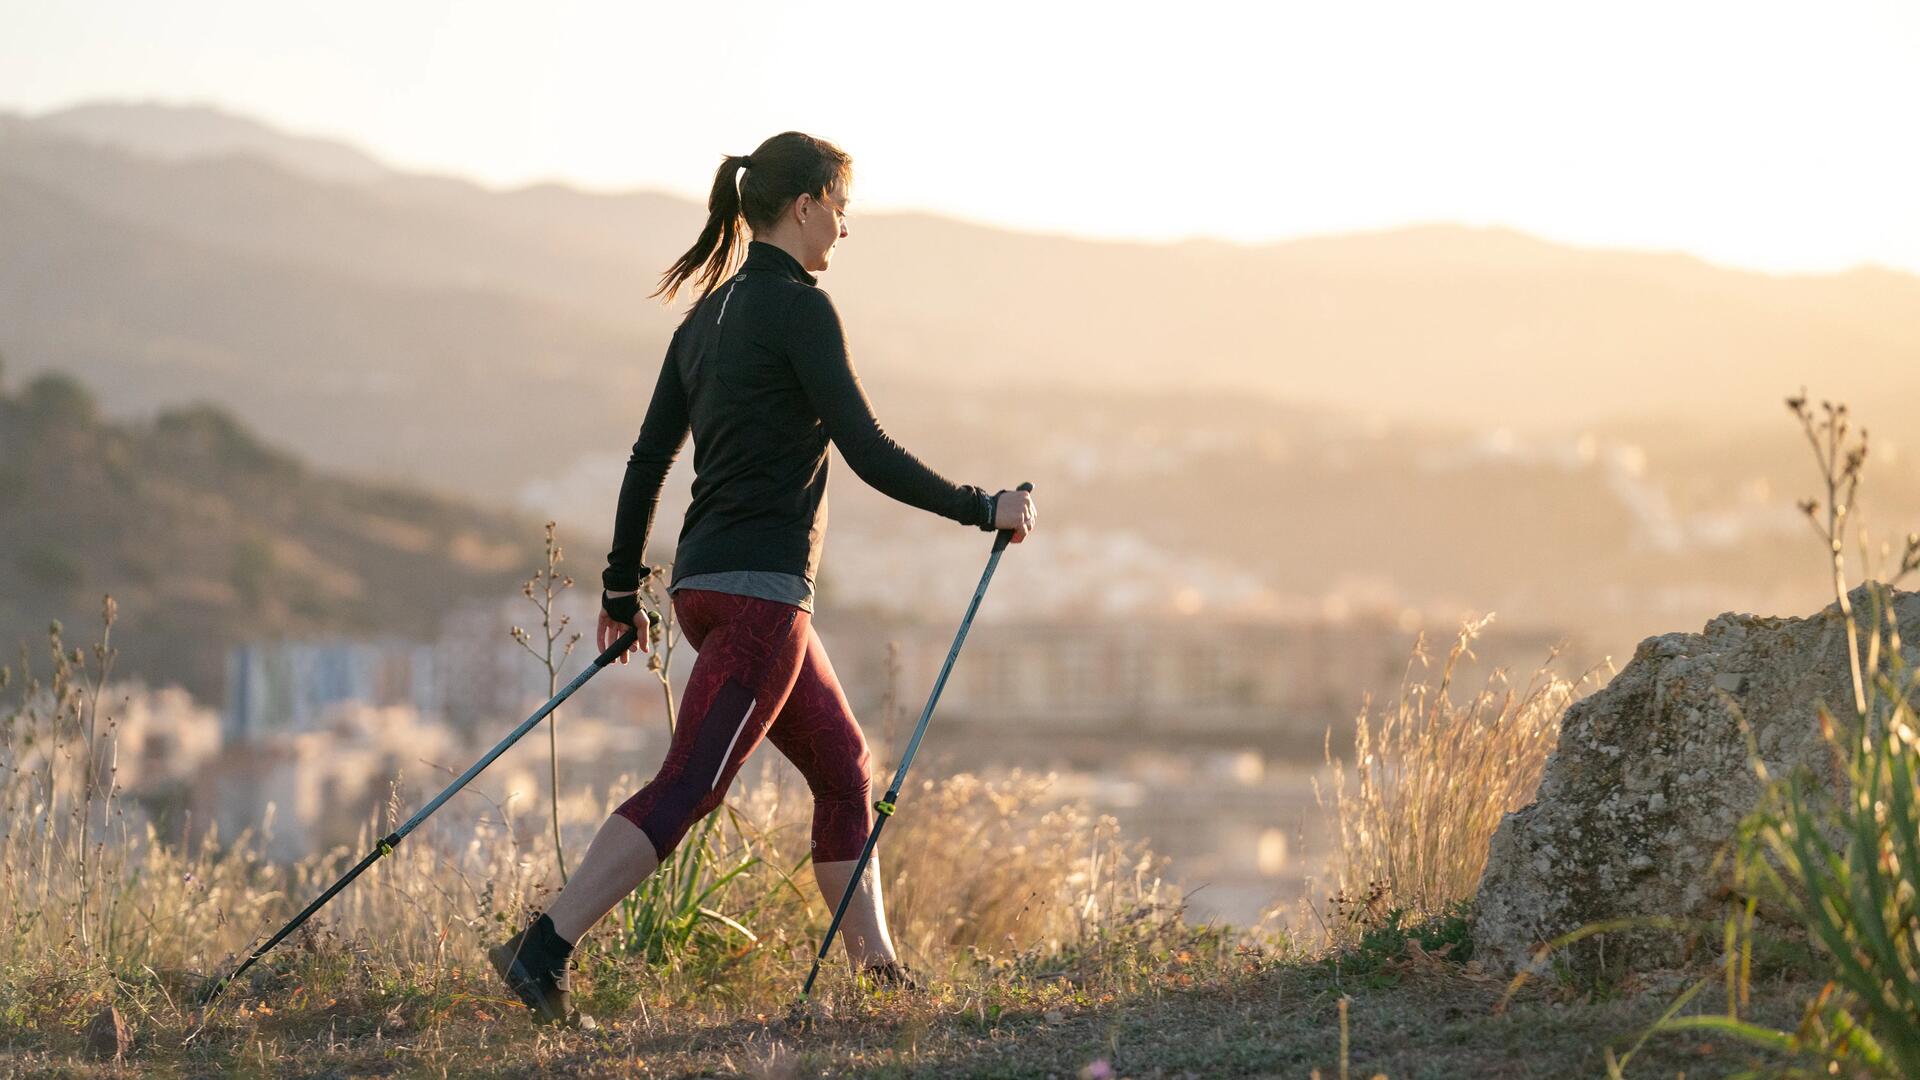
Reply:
x=624, y=642
x=1005, y=536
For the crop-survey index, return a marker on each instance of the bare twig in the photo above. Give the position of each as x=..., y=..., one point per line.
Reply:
x=544, y=580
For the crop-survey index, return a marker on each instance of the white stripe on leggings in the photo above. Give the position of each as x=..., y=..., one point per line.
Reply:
x=730, y=742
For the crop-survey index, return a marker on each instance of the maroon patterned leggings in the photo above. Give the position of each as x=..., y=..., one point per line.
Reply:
x=761, y=672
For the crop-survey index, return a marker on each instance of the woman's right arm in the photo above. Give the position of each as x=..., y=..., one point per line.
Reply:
x=661, y=435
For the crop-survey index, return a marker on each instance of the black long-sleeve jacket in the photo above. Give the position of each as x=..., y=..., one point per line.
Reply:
x=759, y=372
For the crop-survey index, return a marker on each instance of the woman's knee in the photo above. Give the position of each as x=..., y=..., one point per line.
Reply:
x=841, y=821
x=666, y=811
x=845, y=772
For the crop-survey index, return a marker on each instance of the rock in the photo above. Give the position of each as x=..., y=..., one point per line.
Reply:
x=1652, y=776
x=109, y=1035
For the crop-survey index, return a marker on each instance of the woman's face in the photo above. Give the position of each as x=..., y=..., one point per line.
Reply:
x=823, y=223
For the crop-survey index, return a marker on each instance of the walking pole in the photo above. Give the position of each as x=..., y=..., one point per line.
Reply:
x=885, y=807
x=392, y=840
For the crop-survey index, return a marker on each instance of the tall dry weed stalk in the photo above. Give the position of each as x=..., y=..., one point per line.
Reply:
x=1430, y=780
x=544, y=581
x=662, y=637
x=61, y=796
x=86, y=888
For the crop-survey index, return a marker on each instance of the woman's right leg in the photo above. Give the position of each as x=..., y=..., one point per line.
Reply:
x=818, y=733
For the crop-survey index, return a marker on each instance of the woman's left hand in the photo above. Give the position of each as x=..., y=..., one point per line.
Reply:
x=1015, y=510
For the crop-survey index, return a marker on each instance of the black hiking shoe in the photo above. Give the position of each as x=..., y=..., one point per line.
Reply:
x=533, y=964
x=891, y=975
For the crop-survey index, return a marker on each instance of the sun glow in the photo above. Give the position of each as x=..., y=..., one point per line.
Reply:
x=1764, y=135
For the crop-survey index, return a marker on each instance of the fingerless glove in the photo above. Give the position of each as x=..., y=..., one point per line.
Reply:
x=992, y=505
x=621, y=609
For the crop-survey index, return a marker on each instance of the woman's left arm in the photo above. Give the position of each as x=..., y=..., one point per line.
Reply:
x=817, y=345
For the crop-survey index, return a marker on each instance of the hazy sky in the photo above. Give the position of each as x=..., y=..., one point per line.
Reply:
x=1770, y=135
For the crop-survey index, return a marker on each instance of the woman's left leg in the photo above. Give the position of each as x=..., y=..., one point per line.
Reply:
x=817, y=732
x=750, y=652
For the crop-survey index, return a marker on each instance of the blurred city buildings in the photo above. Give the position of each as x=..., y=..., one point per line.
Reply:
x=1092, y=684
x=1201, y=735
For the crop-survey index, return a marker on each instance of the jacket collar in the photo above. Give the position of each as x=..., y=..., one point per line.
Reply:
x=764, y=256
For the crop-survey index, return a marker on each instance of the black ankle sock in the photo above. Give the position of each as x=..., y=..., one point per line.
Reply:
x=542, y=947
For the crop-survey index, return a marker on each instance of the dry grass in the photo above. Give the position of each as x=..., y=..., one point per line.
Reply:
x=989, y=884
x=1431, y=779
x=1051, y=944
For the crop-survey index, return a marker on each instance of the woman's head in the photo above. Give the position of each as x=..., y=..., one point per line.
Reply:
x=791, y=191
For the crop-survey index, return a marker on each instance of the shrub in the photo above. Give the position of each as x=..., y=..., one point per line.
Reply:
x=54, y=399
x=1432, y=778
x=253, y=570
x=207, y=433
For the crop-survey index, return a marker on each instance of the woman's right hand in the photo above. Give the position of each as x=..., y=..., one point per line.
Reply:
x=610, y=630
x=1014, y=510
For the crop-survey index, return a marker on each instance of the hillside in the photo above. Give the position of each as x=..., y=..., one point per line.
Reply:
x=411, y=382
x=206, y=534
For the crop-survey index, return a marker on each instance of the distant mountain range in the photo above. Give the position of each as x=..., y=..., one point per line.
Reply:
x=1441, y=416
x=234, y=244
x=188, y=133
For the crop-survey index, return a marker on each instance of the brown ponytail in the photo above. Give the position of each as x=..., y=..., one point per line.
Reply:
x=778, y=171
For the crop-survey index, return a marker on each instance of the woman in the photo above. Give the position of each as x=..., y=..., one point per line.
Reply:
x=758, y=371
